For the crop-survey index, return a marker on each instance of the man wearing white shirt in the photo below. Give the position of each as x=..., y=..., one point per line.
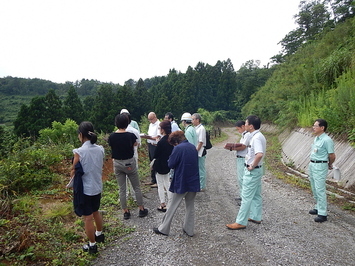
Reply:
x=201, y=143
x=154, y=135
x=251, y=206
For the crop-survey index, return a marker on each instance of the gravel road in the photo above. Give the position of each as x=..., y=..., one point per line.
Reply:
x=288, y=235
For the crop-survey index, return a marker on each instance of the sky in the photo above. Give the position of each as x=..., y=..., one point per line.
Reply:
x=116, y=40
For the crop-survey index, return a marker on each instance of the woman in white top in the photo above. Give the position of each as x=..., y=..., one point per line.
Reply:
x=91, y=158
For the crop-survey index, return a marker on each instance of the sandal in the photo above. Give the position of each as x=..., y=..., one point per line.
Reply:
x=162, y=208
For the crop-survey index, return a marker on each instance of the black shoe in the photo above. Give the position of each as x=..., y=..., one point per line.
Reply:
x=143, y=213
x=238, y=198
x=100, y=238
x=90, y=249
x=320, y=219
x=126, y=215
x=313, y=212
x=156, y=230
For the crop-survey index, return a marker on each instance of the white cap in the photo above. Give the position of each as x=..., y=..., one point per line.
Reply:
x=124, y=111
x=186, y=117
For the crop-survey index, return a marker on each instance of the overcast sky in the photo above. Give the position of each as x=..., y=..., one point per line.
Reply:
x=116, y=40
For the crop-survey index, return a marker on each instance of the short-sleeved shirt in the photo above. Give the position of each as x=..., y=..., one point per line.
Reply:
x=190, y=134
x=122, y=145
x=174, y=126
x=245, y=139
x=257, y=145
x=201, y=137
x=322, y=146
x=91, y=157
x=153, y=131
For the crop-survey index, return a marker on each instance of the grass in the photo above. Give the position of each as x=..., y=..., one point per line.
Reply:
x=42, y=228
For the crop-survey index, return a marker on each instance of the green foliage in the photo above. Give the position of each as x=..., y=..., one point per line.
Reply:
x=60, y=133
x=316, y=82
x=72, y=106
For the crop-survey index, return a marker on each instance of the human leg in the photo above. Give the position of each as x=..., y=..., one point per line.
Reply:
x=202, y=171
x=161, y=188
x=240, y=173
x=250, y=184
x=121, y=180
x=176, y=199
x=256, y=204
x=151, y=150
x=189, y=223
x=319, y=178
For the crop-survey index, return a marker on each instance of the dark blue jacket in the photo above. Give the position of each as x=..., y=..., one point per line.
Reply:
x=78, y=199
x=184, y=161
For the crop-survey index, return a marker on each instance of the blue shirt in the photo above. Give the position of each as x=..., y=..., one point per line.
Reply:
x=321, y=147
x=184, y=161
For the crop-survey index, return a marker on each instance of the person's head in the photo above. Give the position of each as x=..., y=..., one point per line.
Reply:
x=86, y=132
x=176, y=137
x=169, y=116
x=186, y=119
x=240, y=126
x=252, y=122
x=152, y=117
x=319, y=126
x=165, y=127
x=196, y=119
x=122, y=121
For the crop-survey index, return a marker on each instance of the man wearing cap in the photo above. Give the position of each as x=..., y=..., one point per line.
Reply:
x=322, y=158
x=190, y=132
x=133, y=123
x=251, y=206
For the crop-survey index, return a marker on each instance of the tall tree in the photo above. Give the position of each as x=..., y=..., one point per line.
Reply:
x=72, y=106
x=104, y=111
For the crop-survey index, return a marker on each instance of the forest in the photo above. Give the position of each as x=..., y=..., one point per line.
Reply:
x=312, y=77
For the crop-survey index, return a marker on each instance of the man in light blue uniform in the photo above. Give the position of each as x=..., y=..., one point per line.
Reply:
x=190, y=132
x=251, y=207
x=241, y=153
x=322, y=158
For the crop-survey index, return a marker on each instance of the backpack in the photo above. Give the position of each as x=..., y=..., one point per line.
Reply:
x=208, y=141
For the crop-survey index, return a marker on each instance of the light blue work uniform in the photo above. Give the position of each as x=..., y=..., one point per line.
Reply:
x=190, y=134
x=201, y=137
x=240, y=161
x=322, y=146
x=251, y=205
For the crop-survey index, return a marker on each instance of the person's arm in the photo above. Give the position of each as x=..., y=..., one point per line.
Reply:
x=75, y=161
x=199, y=146
x=256, y=161
x=331, y=159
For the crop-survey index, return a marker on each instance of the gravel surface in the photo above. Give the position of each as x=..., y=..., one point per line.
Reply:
x=287, y=235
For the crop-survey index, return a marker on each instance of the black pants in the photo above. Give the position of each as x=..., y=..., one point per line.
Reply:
x=151, y=149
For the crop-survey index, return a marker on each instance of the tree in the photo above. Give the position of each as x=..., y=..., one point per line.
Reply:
x=72, y=106
x=41, y=112
x=104, y=111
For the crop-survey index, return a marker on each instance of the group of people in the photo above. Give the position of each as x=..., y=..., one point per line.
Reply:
x=178, y=170
x=177, y=164
x=249, y=160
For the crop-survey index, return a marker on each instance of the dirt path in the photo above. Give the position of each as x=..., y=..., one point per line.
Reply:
x=287, y=236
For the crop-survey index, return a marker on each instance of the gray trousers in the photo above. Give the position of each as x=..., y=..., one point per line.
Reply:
x=124, y=169
x=189, y=223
